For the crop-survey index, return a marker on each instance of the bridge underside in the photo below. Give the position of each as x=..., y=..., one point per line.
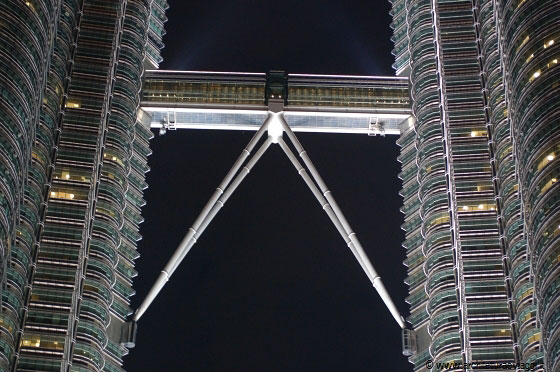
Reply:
x=239, y=101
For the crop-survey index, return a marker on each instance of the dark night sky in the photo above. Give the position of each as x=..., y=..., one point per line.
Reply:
x=271, y=286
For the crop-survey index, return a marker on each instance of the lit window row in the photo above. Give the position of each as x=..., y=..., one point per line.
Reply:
x=479, y=133
x=43, y=341
x=66, y=175
x=73, y=104
x=477, y=207
x=62, y=195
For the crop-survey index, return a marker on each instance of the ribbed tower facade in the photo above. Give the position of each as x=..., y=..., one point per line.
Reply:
x=479, y=171
x=72, y=170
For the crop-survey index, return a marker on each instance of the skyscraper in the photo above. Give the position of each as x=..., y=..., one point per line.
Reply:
x=72, y=174
x=479, y=177
x=480, y=173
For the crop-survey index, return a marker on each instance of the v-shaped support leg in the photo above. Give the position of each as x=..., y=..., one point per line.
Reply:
x=326, y=199
x=276, y=125
x=216, y=202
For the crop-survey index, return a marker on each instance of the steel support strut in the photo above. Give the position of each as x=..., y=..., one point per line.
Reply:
x=209, y=210
x=331, y=207
x=276, y=125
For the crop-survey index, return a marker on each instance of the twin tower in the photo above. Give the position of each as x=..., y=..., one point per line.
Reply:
x=475, y=106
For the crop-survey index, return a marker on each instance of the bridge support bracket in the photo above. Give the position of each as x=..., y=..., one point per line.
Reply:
x=128, y=334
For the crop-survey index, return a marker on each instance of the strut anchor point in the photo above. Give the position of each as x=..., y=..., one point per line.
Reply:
x=128, y=334
x=275, y=129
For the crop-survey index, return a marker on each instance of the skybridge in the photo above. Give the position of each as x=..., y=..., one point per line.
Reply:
x=274, y=105
x=370, y=105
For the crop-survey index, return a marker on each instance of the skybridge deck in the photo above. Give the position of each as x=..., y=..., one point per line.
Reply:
x=239, y=101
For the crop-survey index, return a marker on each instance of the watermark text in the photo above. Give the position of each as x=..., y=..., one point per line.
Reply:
x=480, y=365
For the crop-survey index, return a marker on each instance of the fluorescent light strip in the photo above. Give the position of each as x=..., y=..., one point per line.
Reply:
x=156, y=125
x=286, y=113
x=205, y=72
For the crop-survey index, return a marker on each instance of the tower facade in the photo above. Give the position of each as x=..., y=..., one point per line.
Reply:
x=72, y=176
x=479, y=173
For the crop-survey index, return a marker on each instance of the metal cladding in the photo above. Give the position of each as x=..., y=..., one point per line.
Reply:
x=479, y=171
x=34, y=50
x=73, y=165
x=531, y=51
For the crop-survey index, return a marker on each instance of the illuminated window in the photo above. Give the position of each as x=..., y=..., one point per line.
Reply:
x=534, y=338
x=547, y=159
x=526, y=37
x=527, y=317
x=73, y=103
x=38, y=157
x=535, y=75
x=113, y=157
x=6, y=324
x=105, y=211
x=440, y=220
x=30, y=5
x=555, y=231
x=63, y=195
x=527, y=293
x=43, y=341
x=484, y=188
x=548, y=185
x=548, y=43
x=478, y=133
x=478, y=207
x=31, y=341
